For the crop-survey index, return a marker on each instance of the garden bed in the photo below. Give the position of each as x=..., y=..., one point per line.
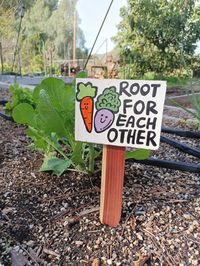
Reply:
x=49, y=220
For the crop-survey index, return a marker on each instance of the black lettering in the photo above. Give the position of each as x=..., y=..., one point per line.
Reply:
x=120, y=120
x=122, y=88
x=122, y=131
x=131, y=136
x=155, y=86
x=151, y=108
x=150, y=138
x=137, y=86
x=127, y=105
x=140, y=120
x=131, y=121
x=137, y=108
x=151, y=122
x=115, y=135
x=140, y=138
x=144, y=91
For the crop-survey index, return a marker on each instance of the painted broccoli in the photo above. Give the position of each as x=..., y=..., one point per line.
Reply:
x=85, y=94
x=107, y=105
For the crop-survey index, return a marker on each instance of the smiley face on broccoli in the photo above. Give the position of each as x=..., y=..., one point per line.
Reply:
x=107, y=106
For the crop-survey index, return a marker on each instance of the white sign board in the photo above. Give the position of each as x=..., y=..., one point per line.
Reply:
x=119, y=112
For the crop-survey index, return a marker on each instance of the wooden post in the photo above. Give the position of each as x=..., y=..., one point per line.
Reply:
x=112, y=184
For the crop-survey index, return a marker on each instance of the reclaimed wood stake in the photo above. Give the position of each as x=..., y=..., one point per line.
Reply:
x=113, y=162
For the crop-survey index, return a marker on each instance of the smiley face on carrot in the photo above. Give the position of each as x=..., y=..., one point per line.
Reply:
x=85, y=95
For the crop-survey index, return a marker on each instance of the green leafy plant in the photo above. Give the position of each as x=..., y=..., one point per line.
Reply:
x=195, y=102
x=51, y=127
x=19, y=95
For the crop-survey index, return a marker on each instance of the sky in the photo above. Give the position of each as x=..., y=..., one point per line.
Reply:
x=91, y=13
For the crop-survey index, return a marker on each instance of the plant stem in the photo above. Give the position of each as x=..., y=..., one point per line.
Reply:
x=51, y=144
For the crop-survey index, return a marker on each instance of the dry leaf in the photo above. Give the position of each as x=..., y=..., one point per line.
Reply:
x=7, y=210
x=96, y=262
x=50, y=252
x=141, y=261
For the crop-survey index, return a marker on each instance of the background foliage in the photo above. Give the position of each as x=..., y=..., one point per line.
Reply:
x=155, y=35
x=45, y=34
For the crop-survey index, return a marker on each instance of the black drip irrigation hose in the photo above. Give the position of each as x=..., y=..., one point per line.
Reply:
x=3, y=102
x=6, y=117
x=182, y=166
x=181, y=133
x=181, y=146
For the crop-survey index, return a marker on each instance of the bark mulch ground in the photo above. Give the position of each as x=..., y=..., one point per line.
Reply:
x=49, y=220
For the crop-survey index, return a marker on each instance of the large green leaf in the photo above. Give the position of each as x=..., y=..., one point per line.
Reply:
x=139, y=154
x=39, y=142
x=50, y=118
x=56, y=165
x=57, y=93
x=56, y=106
x=24, y=114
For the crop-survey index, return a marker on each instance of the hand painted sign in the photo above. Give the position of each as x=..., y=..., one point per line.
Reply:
x=119, y=112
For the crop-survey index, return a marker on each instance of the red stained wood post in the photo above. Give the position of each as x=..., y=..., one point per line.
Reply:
x=113, y=163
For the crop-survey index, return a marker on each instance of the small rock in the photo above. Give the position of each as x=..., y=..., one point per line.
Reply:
x=65, y=204
x=195, y=262
x=98, y=241
x=31, y=226
x=114, y=256
x=187, y=216
x=16, y=248
x=30, y=243
x=79, y=243
x=109, y=262
x=7, y=210
x=139, y=236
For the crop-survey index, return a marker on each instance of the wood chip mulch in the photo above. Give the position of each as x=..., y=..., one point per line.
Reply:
x=49, y=220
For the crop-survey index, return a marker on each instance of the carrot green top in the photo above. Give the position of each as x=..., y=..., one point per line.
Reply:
x=109, y=99
x=84, y=90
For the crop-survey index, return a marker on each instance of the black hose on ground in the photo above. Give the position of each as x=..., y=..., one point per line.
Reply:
x=181, y=133
x=182, y=166
x=181, y=146
x=3, y=102
x=6, y=117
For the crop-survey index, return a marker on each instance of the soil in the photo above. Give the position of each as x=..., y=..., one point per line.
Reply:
x=49, y=220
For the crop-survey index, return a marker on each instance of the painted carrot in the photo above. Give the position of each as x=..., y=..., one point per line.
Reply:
x=85, y=94
x=87, y=106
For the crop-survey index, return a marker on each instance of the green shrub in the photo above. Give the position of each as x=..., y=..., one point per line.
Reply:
x=19, y=95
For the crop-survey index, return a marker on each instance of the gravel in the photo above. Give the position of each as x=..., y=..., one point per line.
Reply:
x=46, y=220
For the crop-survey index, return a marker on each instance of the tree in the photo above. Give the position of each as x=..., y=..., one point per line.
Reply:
x=61, y=28
x=155, y=35
x=46, y=32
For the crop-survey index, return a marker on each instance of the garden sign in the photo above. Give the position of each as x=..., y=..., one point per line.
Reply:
x=118, y=114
